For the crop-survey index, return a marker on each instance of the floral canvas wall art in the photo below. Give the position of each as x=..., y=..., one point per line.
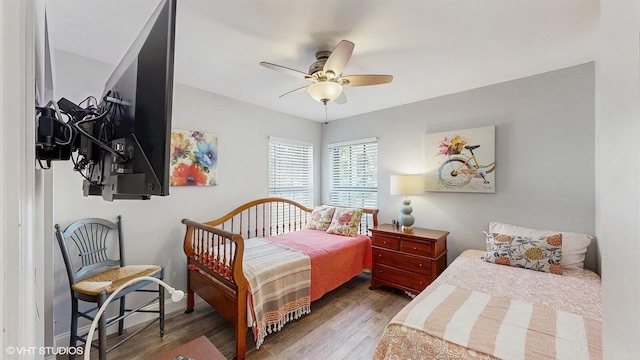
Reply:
x=194, y=158
x=461, y=160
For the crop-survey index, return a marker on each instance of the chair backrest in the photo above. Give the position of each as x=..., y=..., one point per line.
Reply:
x=89, y=245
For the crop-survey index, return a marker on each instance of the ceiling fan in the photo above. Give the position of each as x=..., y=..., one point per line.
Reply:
x=326, y=76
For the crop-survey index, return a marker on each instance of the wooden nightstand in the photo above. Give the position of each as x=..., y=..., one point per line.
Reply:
x=407, y=260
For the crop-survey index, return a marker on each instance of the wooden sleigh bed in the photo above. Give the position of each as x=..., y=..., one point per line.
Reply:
x=229, y=258
x=477, y=309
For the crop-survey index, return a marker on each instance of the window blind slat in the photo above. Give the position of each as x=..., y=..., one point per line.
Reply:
x=291, y=170
x=354, y=173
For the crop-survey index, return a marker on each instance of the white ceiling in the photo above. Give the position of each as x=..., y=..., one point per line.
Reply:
x=432, y=48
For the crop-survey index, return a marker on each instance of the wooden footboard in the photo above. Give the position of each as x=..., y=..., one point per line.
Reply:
x=215, y=249
x=214, y=272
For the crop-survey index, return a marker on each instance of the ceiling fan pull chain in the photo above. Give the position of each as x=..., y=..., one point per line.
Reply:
x=326, y=120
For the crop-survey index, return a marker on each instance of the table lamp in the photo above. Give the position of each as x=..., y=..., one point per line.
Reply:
x=406, y=185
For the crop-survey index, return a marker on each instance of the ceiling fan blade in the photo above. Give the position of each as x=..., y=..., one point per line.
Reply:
x=294, y=91
x=342, y=99
x=286, y=70
x=339, y=57
x=365, y=80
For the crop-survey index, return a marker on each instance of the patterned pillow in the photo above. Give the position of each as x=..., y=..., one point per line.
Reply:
x=498, y=247
x=574, y=245
x=542, y=253
x=345, y=222
x=320, y=217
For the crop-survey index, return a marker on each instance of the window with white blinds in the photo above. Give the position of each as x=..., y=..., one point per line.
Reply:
x=291, y=170
x=354, y=173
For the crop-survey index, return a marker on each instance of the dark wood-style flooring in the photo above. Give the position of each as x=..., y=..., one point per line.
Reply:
x=344, y=324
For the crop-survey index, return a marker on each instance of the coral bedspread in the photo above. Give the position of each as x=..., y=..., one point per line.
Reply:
x=335, y=259
x=478, y=310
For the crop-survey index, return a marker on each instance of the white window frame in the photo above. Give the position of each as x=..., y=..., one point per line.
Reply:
x=353, y=167
x=291, y=170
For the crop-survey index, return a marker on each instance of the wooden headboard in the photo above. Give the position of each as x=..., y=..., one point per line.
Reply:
x=274, y=216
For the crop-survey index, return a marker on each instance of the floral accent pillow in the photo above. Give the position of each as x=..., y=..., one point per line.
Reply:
x=574, y=245
x=541, y=253
x=320, y=217
x=345, y=221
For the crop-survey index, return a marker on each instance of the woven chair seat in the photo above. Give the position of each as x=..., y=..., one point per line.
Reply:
x=110, y=280
x=89, y=246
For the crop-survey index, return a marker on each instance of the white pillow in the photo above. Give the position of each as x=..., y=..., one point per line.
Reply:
x=574, y=245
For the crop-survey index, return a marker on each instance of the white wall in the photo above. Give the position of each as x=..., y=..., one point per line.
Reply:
x=618, y=176
x=21, y=308
x=44, y=183
x=544, y=155
x=153, y=230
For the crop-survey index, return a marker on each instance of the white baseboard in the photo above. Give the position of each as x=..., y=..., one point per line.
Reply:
x=62, y=340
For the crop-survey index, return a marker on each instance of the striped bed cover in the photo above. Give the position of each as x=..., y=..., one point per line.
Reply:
x=478, y=310
x=279, y=286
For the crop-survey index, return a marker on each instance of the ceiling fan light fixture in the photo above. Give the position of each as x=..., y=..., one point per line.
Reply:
x=324, y=91
x=325, y=75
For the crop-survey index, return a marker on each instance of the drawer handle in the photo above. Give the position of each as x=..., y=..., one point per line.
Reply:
x=415, y=248
x=380, y=255
x=419, y=265
x=384, y=242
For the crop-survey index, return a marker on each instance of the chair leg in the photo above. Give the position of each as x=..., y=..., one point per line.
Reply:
x=102, y=328
x=121, y=322
x=161, y=308
x=74, y=327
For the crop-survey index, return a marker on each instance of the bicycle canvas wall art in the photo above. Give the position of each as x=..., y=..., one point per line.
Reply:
x=461, y=160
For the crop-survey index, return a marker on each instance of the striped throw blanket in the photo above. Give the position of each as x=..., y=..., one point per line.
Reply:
x=503, y=328
x=279, y=285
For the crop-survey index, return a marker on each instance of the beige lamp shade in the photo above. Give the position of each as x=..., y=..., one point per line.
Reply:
x=407, y=184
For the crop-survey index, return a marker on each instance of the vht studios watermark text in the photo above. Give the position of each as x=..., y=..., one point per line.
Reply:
x=43, y=350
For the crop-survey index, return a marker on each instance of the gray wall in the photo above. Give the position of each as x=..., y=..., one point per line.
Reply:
x=544, y=155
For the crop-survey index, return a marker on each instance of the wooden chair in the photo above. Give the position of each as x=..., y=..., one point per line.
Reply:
x=93, y=254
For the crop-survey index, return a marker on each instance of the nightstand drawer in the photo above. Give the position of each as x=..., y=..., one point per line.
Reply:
x=416, y=248
x=389, y=242
x=414, y=264
x=401, y=277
